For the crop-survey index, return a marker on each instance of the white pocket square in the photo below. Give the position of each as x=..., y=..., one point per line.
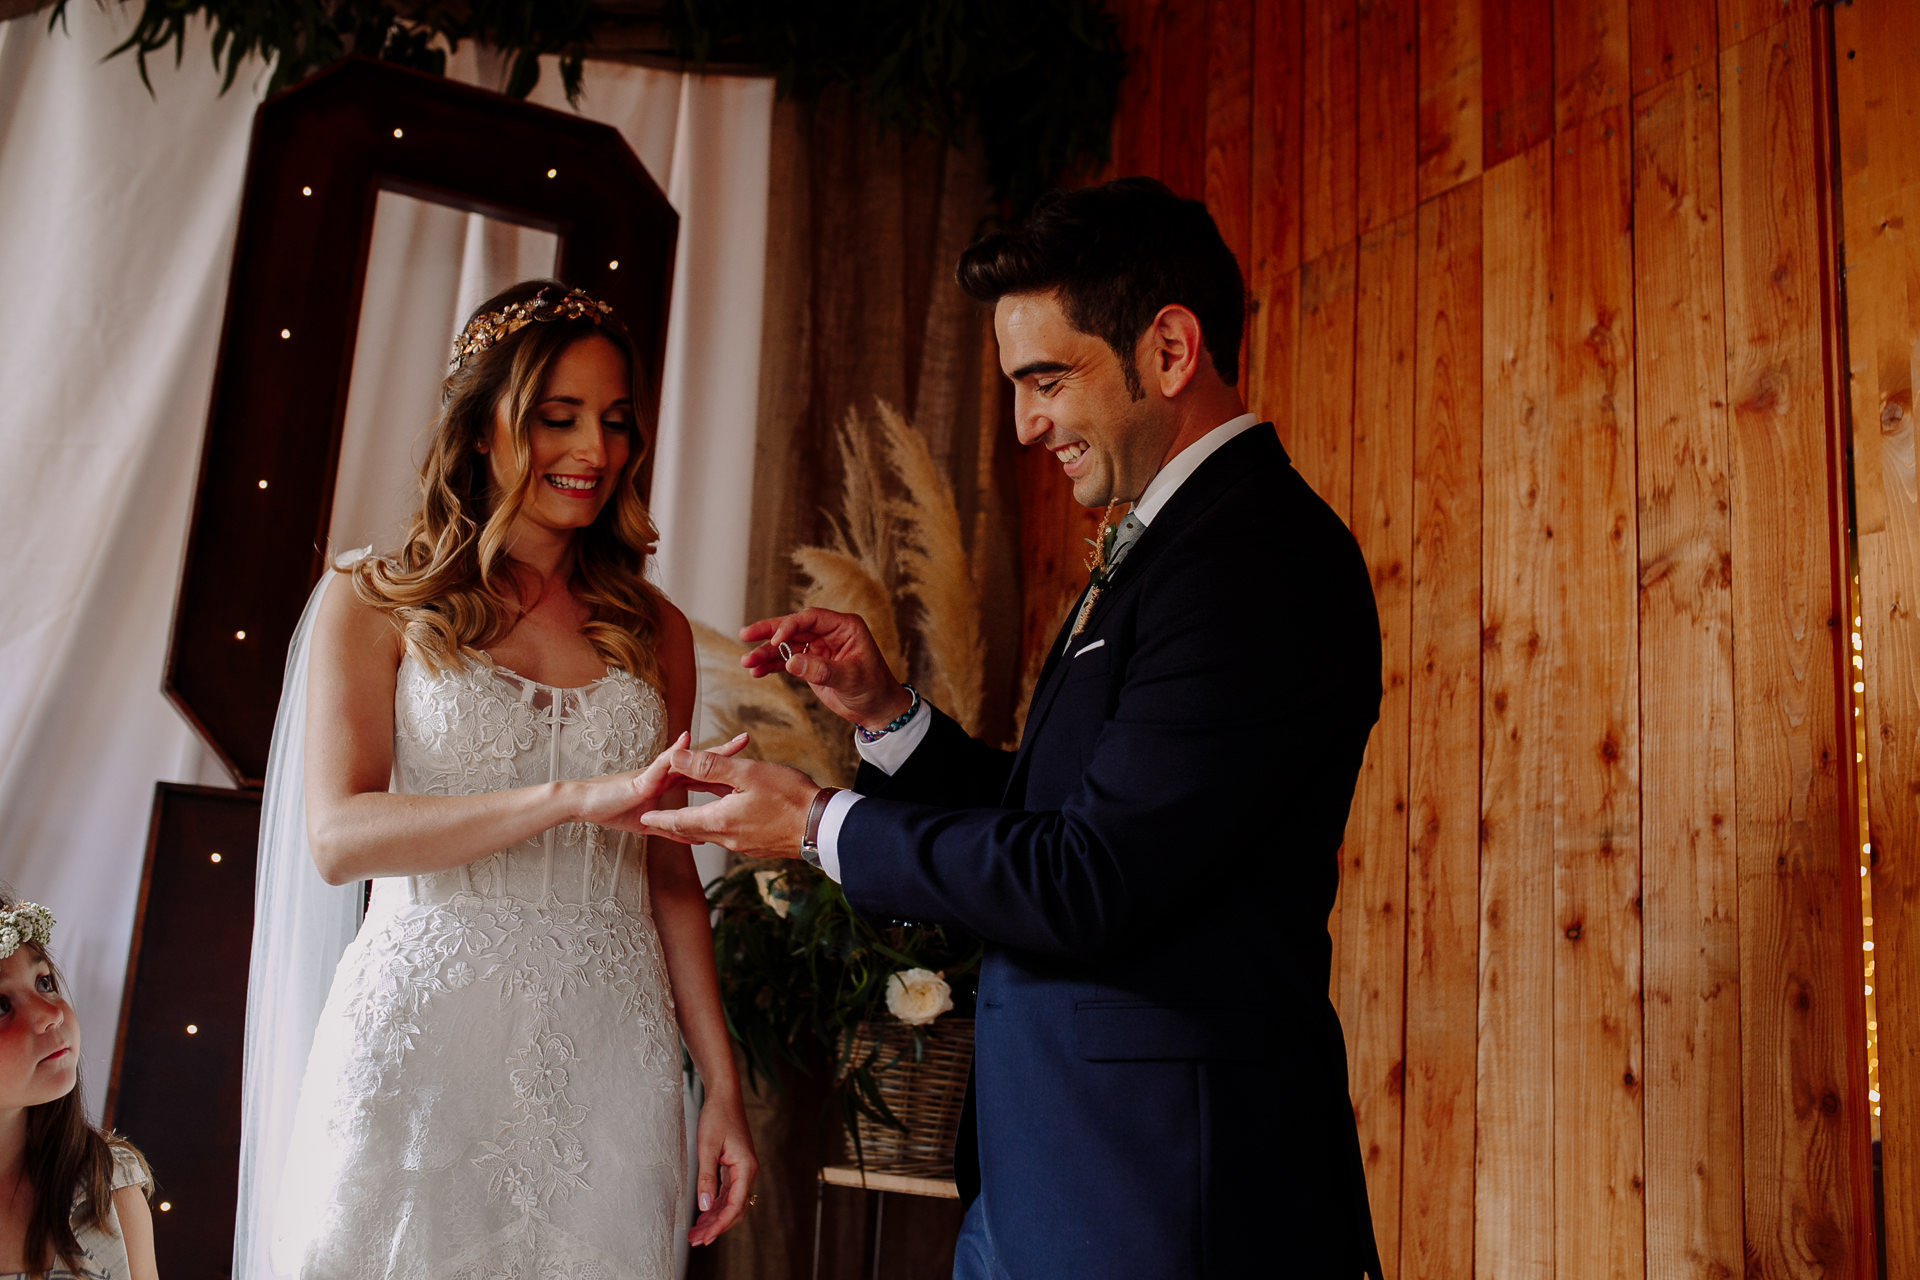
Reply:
x=1089, y=649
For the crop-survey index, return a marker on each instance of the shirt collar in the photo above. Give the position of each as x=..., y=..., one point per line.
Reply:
x=1185, y=463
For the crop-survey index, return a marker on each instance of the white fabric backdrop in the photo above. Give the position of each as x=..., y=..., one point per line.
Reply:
x=117, y=215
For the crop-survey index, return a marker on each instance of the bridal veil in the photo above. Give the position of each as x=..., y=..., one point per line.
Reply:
x=301, y=925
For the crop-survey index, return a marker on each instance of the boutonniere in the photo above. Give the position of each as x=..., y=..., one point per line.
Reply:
x=1099, y=564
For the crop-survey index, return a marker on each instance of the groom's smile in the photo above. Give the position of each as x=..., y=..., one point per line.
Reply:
x=1070, y=398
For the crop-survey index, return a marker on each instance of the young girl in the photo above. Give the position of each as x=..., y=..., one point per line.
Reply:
x=72, y=1199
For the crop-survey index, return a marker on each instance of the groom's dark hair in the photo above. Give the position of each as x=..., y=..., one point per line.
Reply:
x=1117, y=253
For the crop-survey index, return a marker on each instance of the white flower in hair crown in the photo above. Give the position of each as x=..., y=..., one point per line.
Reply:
x=496, y=326
x=22, y=923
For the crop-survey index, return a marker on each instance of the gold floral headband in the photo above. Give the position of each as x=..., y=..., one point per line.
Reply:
x=22, y=923
x=496, y=326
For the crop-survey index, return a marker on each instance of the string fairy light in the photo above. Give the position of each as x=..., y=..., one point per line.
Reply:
x=1866, y=862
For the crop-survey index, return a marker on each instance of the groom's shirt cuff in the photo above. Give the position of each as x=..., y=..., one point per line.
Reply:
x=829, y=835
x=886, y=755
x=891, y=750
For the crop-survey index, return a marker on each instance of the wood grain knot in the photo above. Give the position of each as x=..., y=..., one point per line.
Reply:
x=1573, y=933
x=1823, y=1242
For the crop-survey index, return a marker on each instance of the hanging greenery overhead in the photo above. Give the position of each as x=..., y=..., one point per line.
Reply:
x=301, y=36
x=1037, y=79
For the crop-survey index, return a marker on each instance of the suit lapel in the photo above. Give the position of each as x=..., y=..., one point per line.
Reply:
x=1234, y=459
x=1044, y=687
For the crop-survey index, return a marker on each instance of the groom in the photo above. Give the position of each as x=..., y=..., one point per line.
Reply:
x=1159, y=1086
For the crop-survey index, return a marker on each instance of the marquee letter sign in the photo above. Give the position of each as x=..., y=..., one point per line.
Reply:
x=322, y=153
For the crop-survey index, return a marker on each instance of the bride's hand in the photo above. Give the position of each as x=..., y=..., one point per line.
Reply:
x=727, y=1168
x=618, y=799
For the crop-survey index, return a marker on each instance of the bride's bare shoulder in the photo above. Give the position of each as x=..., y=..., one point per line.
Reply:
x=354, y=628
x=676, y=653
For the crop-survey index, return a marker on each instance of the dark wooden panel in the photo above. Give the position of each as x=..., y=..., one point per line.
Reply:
x=175, y=1093
x=1517, y=72
x=1589, y=59
x=1275, y=231
x=1136, y=137
x=1388, y=111
x=1183, y=101
x=1328, y=115
x=1277, y=129
x=1668, y=36
x=1229, y=142
x=321, y=153
x=1742, y=20
x=1451, y=92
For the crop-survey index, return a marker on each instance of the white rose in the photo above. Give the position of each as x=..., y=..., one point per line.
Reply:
x=918, y=996
x=773, y=891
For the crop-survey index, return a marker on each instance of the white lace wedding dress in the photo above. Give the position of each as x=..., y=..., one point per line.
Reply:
x=494, y=1091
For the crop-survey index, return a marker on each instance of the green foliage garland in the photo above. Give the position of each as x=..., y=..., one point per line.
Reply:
x=1038, y=79
x=301, y=36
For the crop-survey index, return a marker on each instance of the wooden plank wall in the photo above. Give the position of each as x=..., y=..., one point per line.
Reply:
x=1877, y=64
x=1547, y=304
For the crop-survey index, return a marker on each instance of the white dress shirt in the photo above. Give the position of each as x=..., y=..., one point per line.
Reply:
x=891, y=751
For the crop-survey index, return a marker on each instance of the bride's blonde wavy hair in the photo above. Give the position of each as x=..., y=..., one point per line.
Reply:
x=450, y=586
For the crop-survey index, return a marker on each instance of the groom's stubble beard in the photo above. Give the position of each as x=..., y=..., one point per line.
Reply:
x=1133, y=449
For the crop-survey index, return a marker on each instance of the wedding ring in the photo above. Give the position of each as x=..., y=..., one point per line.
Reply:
x=786, y=652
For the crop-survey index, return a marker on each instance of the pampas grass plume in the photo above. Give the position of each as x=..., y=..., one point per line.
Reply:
x=838, y=581
x=787, y=725
x=935, y=570
x=875, y=537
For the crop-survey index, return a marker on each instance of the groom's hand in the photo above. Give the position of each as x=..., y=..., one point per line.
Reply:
x=835, y=654
x=761, y=812
x=620, y=800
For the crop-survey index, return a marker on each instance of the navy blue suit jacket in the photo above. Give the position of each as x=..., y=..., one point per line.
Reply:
x=1159, y=1081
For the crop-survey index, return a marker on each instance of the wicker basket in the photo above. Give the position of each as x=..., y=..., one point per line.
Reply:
x=925, y=1095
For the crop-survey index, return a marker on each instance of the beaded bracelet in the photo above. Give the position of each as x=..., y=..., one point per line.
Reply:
x=871, y=736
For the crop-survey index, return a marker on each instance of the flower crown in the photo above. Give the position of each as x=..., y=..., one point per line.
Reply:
x=22, y=923
x=496, y=326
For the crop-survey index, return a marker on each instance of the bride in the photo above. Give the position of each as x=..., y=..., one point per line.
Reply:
x=494, y=1084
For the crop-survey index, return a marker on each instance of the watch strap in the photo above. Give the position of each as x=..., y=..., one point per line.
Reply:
x=810, y=837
